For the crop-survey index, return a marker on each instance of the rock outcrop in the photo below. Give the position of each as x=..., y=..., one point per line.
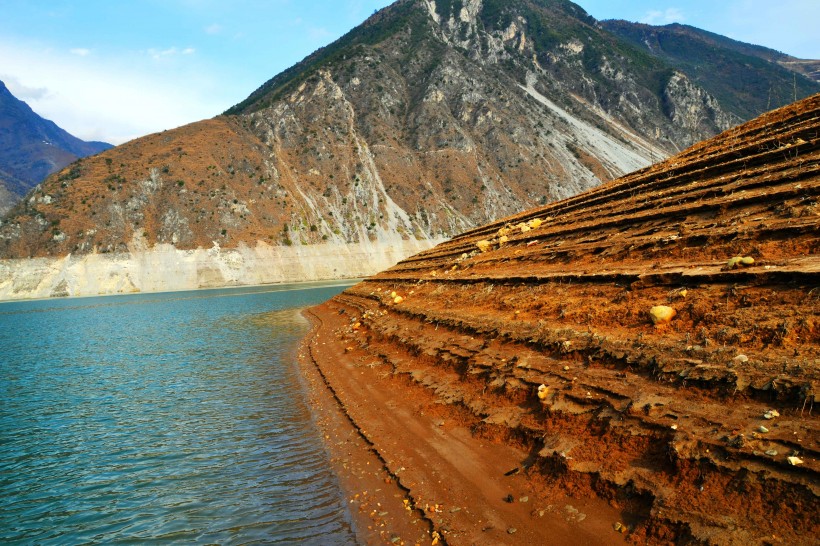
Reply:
x=654, y=343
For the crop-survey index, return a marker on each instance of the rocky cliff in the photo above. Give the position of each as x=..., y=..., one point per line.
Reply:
x=648, y=352
x=430, y=118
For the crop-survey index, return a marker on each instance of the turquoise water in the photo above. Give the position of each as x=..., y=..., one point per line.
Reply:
x=175, y=417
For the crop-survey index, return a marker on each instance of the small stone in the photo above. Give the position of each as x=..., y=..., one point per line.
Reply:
x=543, y=392
x=662, y=314
x=771, y=452
x=674, y=427
x=762, y=429
x=398, y=299
x=503, y=239
x=741, y=358
x=771, y=414
x=618, y=526
x=512, y=531
x=535, y=223
x=794, y=461
x=524, y=499
x=566, y=368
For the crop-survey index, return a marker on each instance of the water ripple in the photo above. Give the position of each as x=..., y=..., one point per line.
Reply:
x=162, y=418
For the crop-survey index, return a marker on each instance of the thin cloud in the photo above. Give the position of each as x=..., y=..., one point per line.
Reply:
x=80, y=51
x=215, y=28
x=24, y=92
x=156, y=53
x=663, y=17
x=319, y=34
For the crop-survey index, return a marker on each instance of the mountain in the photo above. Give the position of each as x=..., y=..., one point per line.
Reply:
x=536, y=334
x=430, y=118
x=31, y=148
x=753, y=79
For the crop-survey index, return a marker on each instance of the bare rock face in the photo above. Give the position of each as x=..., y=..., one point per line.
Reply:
x=430, y=118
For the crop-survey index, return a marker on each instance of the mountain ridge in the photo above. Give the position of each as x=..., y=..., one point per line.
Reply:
x=32, y=147
x=429, y=119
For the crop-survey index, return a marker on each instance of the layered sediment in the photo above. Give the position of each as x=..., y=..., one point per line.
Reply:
x=652, y=346
x=165, y=268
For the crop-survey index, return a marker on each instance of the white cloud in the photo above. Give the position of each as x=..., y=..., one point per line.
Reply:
x=663, y=17
x=80, y=51
x=114, y=100
x=157, y=53
x=215, y=28
x=21, y=91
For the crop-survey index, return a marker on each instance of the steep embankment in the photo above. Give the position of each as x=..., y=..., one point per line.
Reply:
x=698, y=429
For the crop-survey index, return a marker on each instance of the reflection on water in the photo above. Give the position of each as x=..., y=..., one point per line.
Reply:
x=164, y=417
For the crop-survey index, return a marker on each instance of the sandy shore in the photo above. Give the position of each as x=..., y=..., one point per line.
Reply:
x=412, y=470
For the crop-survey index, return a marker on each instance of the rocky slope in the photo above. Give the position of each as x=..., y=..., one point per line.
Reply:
x=31, y=148
x=770, y=79
x=430, y=118
x=537, y=332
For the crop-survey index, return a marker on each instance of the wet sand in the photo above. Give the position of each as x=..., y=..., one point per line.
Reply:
x=413, y=472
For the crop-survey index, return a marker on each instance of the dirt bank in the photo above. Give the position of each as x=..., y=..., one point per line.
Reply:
x=517, y=389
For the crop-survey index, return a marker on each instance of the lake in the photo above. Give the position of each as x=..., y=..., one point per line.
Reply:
x=177, y=417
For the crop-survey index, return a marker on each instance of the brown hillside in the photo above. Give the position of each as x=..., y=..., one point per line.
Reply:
x=701, y=430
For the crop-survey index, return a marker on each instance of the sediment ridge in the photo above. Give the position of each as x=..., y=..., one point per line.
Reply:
x=638, y=363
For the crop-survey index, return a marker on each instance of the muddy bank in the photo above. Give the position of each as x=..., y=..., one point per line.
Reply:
x=414, y=471
x=639, y=363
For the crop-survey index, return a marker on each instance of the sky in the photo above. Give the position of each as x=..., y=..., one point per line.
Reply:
x=114, y=70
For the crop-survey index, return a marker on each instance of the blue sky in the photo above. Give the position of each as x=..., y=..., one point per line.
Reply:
x=114, y=70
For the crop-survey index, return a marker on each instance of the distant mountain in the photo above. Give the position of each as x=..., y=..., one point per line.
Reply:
x=31, y=148
x=430, y=118
x=746, y=79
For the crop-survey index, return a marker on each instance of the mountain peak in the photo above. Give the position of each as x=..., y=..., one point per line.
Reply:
x=32, y=147
x=428, y=119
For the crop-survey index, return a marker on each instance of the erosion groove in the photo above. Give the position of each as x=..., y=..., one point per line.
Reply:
x=535, y=332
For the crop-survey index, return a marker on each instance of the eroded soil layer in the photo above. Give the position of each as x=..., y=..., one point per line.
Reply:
x=527, y=348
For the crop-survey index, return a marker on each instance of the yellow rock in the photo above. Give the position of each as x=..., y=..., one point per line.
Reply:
x=524, y=228
x=535, y=223
x=543, y=391
x=393, y=294
x=662, y=314
x=483, y=245
x=739, y=260
x=398, y=299
x=503, y=239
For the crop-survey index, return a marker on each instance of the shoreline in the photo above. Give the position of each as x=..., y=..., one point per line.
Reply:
x=251, y=289
x=369, y=488
x=164, y=268
x=411, y=467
